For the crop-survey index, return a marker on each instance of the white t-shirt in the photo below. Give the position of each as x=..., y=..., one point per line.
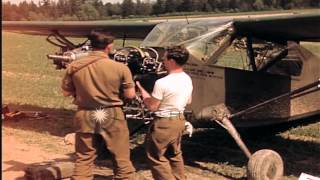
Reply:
x=174, y=91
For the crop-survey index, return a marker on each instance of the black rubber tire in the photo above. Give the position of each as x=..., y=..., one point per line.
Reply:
x=265, y=164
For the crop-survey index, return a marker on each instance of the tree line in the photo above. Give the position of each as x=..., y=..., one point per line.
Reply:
x=97, y=10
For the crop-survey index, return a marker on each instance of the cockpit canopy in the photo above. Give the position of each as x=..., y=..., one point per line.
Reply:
x=200, y=37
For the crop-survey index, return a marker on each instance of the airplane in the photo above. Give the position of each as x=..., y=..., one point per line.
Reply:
x=246, y=72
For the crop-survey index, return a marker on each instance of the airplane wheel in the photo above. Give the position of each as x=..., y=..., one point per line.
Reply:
x=265, y=164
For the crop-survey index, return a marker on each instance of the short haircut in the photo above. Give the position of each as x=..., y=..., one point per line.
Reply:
x=178, y=53
x=100, y=40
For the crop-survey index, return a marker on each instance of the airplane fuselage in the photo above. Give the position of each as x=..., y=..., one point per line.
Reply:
x=242, y=89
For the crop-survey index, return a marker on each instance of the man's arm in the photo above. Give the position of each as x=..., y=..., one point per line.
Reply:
x=189, y=100
x=151, y=102
x=129, y=93
x=67, y=86
x=128, y=83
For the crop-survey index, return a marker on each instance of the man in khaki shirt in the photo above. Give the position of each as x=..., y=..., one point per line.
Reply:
x=96, y=83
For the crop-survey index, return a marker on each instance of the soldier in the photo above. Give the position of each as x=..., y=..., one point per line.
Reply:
x=168, y=100
x=96, y=82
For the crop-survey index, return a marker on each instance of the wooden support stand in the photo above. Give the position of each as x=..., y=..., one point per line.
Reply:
x=49, y=171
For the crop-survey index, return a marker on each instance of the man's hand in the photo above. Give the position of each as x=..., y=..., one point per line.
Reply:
x=67, y=93
x=144, y=93
x=138, y=85
x=70, y=139
x=188, y=128
x=151, y=102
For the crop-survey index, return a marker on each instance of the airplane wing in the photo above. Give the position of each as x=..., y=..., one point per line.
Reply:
x=135, y=30
x=304, y=27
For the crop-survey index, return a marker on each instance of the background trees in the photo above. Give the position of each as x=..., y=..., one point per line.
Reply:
x=96, y=9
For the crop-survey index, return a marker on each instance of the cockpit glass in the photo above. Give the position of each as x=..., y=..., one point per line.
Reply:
x=200, y=37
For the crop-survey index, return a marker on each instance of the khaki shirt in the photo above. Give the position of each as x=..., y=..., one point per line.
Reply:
x=96, y=81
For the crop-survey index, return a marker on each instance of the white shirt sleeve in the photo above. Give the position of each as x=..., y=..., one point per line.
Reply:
x=157, y=91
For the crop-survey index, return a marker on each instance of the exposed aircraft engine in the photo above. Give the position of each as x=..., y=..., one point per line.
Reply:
x=146, y=68
x=139, y=60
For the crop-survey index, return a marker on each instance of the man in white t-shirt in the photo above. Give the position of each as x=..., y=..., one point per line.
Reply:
x=168, y=100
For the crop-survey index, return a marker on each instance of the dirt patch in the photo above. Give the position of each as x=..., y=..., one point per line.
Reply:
x=16, y=156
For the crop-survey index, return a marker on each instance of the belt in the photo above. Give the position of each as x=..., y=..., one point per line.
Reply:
x=179, y=115
x=168, y=113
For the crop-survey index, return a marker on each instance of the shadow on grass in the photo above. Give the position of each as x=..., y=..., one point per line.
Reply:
x=217, y=146
x=57, y=122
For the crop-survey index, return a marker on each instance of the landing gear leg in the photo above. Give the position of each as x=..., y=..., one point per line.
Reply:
x=264, y=164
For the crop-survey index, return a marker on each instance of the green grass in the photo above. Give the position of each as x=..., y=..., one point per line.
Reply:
x=29, y=78
x=313, y=47
x=307, y=132
x=219, y=14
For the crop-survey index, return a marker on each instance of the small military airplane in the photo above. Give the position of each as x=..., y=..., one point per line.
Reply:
x=246, y=72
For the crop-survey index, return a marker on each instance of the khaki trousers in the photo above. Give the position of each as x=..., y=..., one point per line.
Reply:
x=117, y=142
x=163, y=148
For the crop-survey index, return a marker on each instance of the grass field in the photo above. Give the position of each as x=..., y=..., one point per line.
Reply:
x=30, y=82
x=220, y=14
